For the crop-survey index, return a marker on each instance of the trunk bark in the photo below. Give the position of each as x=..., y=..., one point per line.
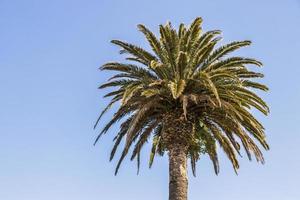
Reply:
x=178, y=180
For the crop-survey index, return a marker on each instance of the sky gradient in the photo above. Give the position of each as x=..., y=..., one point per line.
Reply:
x=50, y=52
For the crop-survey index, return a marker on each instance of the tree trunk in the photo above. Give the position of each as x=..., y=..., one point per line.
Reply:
x=178, y=180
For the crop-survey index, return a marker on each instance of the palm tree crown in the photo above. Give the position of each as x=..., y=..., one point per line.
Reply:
x=189, y=88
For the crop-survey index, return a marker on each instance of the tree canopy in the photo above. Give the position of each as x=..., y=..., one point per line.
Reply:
x=187, y=72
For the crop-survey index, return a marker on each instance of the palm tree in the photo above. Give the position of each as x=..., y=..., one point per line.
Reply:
x=189, y=97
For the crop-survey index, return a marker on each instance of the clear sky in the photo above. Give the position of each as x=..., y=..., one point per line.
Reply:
x=50, y=52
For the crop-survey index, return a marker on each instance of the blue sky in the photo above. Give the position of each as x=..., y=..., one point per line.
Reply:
x=49, y=55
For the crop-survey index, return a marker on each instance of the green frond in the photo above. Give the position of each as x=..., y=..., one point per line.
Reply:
x=201, y=55
x=193, y=164
x=138, y=52
x=114, y=100
x=194, y=33
x=117, y=83
x=150, y=92
x=168, y=44
x=181, y=64
x=249, y=96
x=129, y=92
x=177, y=87
x=143, y=138
x=124, y=153
x=122, y=112
x=154, y=64
x=224, y=50
x=138, y=120
x=154, y=42
x=233, y=62
x=155, y=143
x=195, y=28
x=131, y=70
x=124, y=127
x=255, y=85
x=181, y=30
x=248, y=74
x=114, y=93
x=210, y=86
x=134, y=129
x=225, y=144
x=210, y=144
x=203, y=41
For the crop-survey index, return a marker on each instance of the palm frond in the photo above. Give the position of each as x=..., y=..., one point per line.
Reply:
x=187, y=90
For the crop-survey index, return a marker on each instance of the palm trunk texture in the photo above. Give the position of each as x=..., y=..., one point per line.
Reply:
x=175, y=138
x=178, y=183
